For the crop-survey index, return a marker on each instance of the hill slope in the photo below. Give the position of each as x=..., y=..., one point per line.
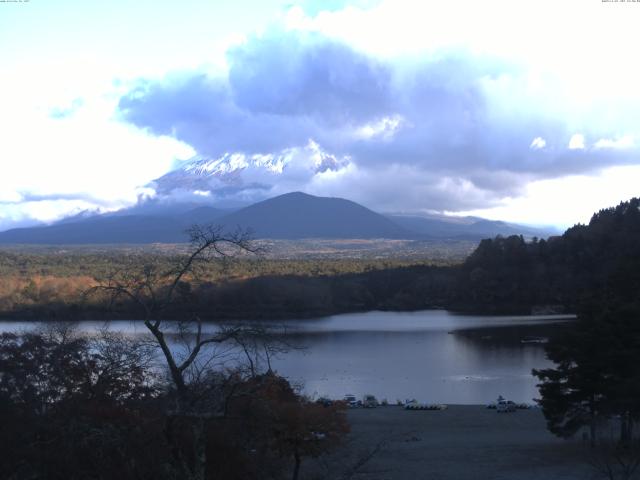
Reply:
x=465, y=227
x=112, y=229
x=298, y=215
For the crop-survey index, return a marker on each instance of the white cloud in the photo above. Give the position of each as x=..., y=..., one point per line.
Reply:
x=568, y=200
x=30, y=212
x=386, y=128
x=576, y=142
x=87, y=155
x=581, y=88
x=202, y=193
x=538, y=143
x=619, y=143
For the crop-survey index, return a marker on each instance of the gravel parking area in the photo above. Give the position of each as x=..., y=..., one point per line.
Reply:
x=462, y=442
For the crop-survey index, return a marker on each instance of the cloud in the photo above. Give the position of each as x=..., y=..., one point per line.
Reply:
x=314, y=7
x=410, y=105
x=60, y=112
x=281, y=90
x=71, y=196
x=538, y=143
x=246, y=177
x=576, y=142
x=298, y=74
x=568, y=200
x=619, y=143
x=56, y=165
x=454, y=125
x=27, y=213
x=385, y=127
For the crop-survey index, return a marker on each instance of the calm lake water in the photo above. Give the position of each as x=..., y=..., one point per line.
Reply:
x=432, y=356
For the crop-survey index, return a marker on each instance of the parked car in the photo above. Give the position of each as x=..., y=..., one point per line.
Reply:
x=351, y=400
x=505, y=406
x=369, y=401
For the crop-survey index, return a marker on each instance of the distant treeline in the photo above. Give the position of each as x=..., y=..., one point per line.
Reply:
x=503, y=275
x=45, y=286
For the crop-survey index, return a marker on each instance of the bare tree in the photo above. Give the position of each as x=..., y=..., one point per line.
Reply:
x=155, y=291
x=262, y=344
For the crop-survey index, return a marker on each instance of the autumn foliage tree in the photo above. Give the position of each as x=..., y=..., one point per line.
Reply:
x=74, y=406
x=274, y=427
x=70, y=407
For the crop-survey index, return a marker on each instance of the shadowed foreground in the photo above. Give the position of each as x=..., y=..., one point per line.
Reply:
x=462, y=442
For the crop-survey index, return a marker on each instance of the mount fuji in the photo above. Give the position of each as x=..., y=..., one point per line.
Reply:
x=236, y=179
x=293, y=215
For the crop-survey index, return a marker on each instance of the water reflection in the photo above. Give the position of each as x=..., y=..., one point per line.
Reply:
x=434, y=356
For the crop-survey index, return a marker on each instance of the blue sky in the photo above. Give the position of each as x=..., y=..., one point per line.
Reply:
x=519, y=110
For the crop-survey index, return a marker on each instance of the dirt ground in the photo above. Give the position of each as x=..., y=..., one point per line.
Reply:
x=462, y=442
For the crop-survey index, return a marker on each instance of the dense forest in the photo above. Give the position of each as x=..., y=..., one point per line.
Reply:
x=503, y=275
x=509, y=273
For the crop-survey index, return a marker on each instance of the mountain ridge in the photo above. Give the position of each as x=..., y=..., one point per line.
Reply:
x=294, y=215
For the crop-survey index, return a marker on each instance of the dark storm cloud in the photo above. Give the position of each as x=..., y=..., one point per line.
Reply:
x=451, y=119
x=450, y=124
x=201, y=112
x=294, y=75
x=281, y=91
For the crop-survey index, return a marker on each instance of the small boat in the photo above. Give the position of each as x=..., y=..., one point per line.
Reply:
x=414, y=405
x=534, y=340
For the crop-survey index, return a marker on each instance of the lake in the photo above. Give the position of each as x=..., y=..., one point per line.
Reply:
x=432, y=356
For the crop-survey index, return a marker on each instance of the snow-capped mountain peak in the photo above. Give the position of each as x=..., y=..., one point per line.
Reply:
x=234, y=173
x=231, y=162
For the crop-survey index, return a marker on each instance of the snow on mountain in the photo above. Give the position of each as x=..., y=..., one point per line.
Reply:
x=247, y=175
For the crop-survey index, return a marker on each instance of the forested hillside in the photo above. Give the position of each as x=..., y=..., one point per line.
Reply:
x=587, y=260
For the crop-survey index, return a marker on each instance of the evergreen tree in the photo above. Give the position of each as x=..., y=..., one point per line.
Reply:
x=597, y=374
